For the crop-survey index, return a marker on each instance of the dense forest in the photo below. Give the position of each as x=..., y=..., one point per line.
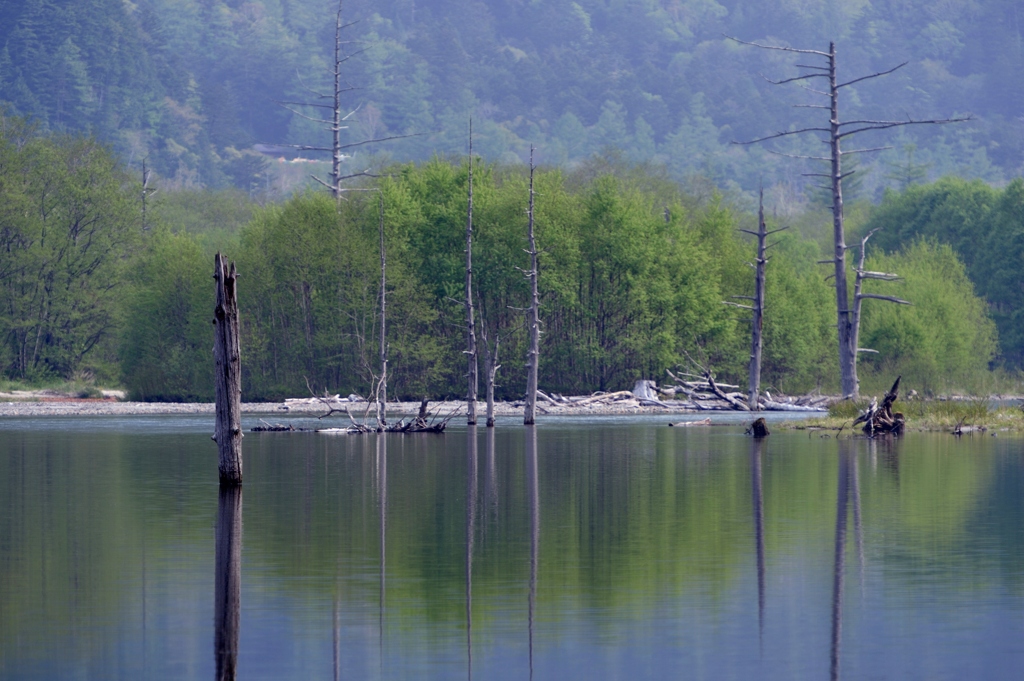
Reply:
x=632, y=106
x=634, y=272
x=192, y=85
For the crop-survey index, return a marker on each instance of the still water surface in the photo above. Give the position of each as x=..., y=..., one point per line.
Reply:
x=589, y=549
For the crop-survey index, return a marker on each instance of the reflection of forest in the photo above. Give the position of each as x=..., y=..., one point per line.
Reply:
x=621, y=518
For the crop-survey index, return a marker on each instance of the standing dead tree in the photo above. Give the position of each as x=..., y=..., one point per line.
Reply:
x=470, y=327
x=859, y=295
x=835, y=133
x=337, y=122
x=382, y=385
x=757, y=306
x=533, y=356
x=491, y=367
x=228, y=373
x=147, y=175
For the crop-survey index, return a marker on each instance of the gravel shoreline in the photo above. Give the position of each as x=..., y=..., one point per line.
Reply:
x=97, y=407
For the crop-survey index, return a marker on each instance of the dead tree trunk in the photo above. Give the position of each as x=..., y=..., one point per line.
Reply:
x=474, y=381
x=491, y=367
x=754, y=382
x=837, y=131
x=336, y=123
x=859, y=295
x=146, y=193
x=757, y=304
x=382, y=387
x=228, y=378
x=530, y=408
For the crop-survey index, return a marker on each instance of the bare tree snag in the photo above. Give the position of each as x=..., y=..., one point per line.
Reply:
x=836, y=132
x=859, y=295
x=530, y=408
x=759, y=428
x=147, y=175
x=757, y=307
x=754, y=384
x=474, y=381
x=227, y=592
x=338, y=119
x=882, y=419
x=382, y=386
x=491, y=367
x=228, y=378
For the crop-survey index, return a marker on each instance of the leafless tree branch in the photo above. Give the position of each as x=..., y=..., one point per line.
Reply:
x=812, y=158
x=783, y=134
x=934, y=121
x=793, y=79
x=873, y=75
x=775, y=47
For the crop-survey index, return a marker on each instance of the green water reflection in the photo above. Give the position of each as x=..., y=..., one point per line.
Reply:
x=566, y=551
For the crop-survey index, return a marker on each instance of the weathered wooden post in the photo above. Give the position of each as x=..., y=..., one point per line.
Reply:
x=228, y=370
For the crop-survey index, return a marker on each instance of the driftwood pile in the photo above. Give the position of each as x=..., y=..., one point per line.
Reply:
x=425, y=422
x=697, y=395
x=643, y=394
x=880, y=419
x=705, y=394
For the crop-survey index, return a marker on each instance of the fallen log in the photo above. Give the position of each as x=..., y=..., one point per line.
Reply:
x=771, y=405
x=687, y=424
x=736, y=404
x=601, y=398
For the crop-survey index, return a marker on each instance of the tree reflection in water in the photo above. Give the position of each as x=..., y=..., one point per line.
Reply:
x=470, y=532
x=533, y=493
x=227, y=586
x=848, y=483
x=382, y=505
x=756, y=450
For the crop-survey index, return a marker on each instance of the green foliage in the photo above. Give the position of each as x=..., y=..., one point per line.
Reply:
x=943, y=337
x=214, y=217
x=191, y=84
x=68, y=227
x=799, y=350
x=166, y=338
x=624, y=292
x=984, y=226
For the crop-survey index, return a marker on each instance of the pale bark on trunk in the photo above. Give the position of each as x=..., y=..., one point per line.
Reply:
x=530, y=408
x=491, y=367
x=228, y=378
x=382, y=389
x=847, y=318
x=473, y=378
x=754, y=387
x=847, y=350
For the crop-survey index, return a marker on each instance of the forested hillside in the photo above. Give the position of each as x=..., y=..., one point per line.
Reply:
x=191, y=84
x=633, y=275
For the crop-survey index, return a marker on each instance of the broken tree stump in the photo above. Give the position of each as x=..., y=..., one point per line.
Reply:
x=228, y=373
x=881, y=419
x=759, y=428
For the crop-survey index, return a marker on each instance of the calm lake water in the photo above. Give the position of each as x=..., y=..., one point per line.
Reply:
x=588, y=549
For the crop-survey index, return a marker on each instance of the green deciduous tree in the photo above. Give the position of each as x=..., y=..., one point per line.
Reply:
x=166, y=333
x=945, y=337
x=69, y=225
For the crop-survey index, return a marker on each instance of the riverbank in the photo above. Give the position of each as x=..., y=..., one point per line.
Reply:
x=70, y=406
x=969, y=415
x=972, y=415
